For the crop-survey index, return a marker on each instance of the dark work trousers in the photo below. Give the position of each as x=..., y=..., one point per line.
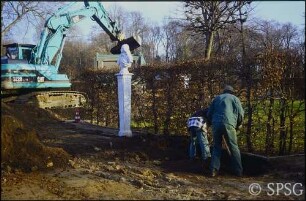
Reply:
x=230, y=136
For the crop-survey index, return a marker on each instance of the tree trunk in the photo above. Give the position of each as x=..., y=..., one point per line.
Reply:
x=168, y=110
x=282, y=133
x=250, y=121
x=208, y=45
x=248, y=76
x=97, y=115
x=270, y=127
x=107, y=120
x=91, y=113
x=291, y=123
x=154, y=107
x=290, y=134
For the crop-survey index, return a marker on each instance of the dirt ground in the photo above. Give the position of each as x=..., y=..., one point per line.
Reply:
x=46, y=157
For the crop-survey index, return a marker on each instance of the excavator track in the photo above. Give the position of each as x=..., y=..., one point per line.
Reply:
x=51, y=99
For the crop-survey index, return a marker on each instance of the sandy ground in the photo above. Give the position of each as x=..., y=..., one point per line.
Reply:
x=102, y=165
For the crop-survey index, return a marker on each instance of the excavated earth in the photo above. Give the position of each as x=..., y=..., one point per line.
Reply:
x=44, y=156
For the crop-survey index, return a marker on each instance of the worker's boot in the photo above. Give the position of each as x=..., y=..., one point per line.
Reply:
x=214, y=173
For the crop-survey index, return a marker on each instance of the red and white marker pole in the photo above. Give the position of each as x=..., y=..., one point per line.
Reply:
x=77, y=117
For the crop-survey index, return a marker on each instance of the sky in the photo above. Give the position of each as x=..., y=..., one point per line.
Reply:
x=281, y=11
x=155, y=11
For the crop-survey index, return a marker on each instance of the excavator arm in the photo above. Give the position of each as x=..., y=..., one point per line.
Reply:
x=102, y=18
x=53, y=37
x=38, y=78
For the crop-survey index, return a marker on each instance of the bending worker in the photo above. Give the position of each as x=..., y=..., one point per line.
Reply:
x=197, y=128
x=225, y=114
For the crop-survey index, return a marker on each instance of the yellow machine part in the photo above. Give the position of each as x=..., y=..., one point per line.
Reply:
x=54, y=99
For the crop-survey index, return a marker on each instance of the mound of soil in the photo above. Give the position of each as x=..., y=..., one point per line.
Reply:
x=20, y=145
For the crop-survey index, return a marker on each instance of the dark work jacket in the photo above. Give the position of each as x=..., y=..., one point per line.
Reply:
x=226, y=109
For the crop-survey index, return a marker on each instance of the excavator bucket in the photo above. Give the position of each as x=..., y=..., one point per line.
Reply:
x=132, y=42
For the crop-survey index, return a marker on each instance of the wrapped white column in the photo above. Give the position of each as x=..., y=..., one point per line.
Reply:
x=124, y=91
x=124, y=99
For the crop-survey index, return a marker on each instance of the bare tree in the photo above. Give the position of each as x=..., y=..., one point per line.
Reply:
x=130, y=23
x=281, y=69
x=171, y=31
x=118, y=14
x=136, y=23
x=29, y=12
x=154, y=38
x=207, y=17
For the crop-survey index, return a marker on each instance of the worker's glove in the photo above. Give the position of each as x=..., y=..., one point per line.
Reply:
x=121, y=36
x=239, y=127
x=204, y=128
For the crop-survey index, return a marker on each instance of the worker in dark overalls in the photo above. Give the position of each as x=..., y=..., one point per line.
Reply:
x=225, y=115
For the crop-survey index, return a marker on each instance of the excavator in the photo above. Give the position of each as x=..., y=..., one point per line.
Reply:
x=30, y=73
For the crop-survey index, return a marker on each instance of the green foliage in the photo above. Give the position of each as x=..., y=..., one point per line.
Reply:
x=260, y=121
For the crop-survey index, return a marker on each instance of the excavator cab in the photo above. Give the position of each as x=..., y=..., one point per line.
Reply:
x=17, y=53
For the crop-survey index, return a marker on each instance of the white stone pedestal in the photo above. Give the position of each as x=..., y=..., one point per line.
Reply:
x=124, y=99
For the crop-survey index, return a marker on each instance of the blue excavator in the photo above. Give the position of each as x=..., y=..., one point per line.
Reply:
x=31, y=72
